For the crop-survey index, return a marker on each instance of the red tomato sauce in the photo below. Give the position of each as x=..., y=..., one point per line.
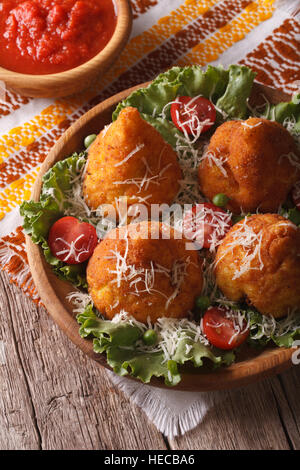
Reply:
x=50, y=36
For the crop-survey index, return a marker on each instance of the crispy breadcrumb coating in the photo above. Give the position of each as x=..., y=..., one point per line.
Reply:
x=259, y=260
x=131, y=160
x=143, y=276
x=254, y=162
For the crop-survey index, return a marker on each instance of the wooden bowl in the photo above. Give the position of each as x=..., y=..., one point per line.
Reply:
x=79, y=78
x=251, y=367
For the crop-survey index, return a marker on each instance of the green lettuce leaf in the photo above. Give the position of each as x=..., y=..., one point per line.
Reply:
x=228, y=89
x=258, y=338
x=118, y=341
x=287, y=110
x=234, y=100
x=166, y=128
x=294, y=216
x=287, y=340
x=38, y=217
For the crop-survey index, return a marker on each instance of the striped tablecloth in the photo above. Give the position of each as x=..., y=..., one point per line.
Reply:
x=263, y=34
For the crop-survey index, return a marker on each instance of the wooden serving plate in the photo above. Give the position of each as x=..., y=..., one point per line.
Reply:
x=252, y=365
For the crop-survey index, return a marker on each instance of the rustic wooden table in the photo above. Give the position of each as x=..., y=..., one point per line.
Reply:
x=54, y=397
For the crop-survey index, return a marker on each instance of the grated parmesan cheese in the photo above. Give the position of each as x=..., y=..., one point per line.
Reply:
x=250, y=241
x=290, y=124
x=250, y=126
x=211, y=157
x=71, y=250
x=142, y=280
x=149, y=178
x=171, y=332
x=197, y=222
x=270, y=327
x=80, y=300
x=74, y=199
x=133, y=152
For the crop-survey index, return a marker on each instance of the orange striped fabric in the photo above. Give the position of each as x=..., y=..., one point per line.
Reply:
x=177, y=32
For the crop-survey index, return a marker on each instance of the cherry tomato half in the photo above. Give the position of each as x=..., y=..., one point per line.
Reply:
x=296, y=195
x=224, y=329
x=206, y=224
x=189, y=114
x=72, y=241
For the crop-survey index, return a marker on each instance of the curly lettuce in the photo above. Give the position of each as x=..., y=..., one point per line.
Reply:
x=281, y=333
x=286, y=112
x=119, y=342
x=38, y=217
x=228, y=89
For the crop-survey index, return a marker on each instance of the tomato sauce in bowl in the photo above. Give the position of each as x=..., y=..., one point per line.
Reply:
x=51, y=36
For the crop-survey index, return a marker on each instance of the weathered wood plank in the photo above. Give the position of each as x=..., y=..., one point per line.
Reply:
x=75, y=406
x=248, y=418
x=290, y=383
x=17, y=416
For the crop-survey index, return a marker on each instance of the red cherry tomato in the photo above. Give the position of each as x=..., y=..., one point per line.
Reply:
x=206, y=224
x=224, y=329
x=72, y=241
x=296, y=195
x=193, y=115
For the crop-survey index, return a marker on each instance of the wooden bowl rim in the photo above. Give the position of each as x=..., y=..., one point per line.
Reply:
x=123, y=28
x=269, y=362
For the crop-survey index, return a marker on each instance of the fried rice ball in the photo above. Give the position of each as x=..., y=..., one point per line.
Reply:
x=137, y=271
x=259, y=259
x=254, y=162
x=131, y=160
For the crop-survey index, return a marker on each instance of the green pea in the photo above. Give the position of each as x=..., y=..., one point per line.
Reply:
x=89, y=140
x=202, y=302
x=220, y=200
x=150, y=337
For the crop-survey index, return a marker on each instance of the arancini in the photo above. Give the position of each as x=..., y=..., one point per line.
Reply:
x=134, y=269
x=259, y=260
x=254, y=162
x=130, y=161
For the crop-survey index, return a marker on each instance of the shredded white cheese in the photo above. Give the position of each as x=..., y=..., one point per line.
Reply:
x=149, y=178
x=270, y=327
x=245, y=237
x=170, y=332
x=71, y=250
x=213, y=159
x=80, y=300
x=250, y=126
x=133, y=152
x=142, y=280
x=196, y=223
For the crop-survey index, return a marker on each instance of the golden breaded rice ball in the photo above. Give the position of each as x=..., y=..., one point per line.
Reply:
x=131, y=160
x=259, y=260
x=254, y=162
x=145, y=277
